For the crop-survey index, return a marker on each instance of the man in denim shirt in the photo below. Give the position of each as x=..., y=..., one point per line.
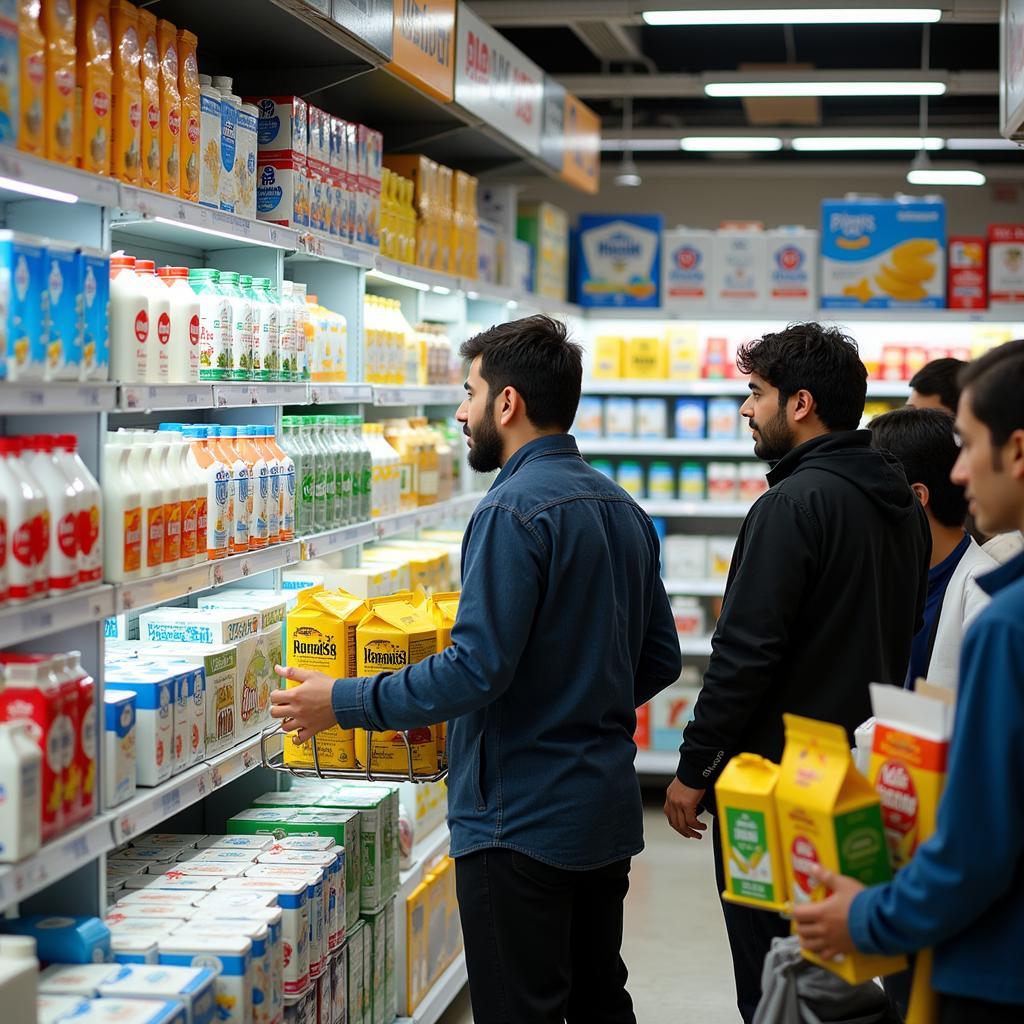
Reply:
x=564, y=629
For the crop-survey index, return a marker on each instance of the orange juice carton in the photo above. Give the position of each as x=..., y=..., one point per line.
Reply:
x=751, y=848
x=126, y=131
x=321, y=635
x=95, y=84
x=188, y=91
x=149, y=70
x=31, y=79
x=830, y=817
x=393, y=634
x=170, y=108
x=58, y=24
x=9, y=73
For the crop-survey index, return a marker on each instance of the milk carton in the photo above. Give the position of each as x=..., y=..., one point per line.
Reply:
x=233, y=991
x=354, y=986
x=316, y=906
x=23, y=330
x=883, y=253
x=192, y=987
x=305, y=850
x=64, y=295
x=75, y=979
x=1006, y=267
x=792, y=271
x=154, y=722
x=130, y=1011
x=282, y=189
x=618, y=261
x=283, y=123
x=118, y=746
x=189, y=716
x=134, y=949
x=52, y=1009
x=740, y=279
x=687, y=259
x=95, y=276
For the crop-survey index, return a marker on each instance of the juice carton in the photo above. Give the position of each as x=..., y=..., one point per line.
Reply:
x=1006, y=266
x=149, y=71
x=118, y=746
x=65, y=299
x=830, y=816
x=619, y=261
x=354, y=980
x=883, y=253
x=687, y=258
x=58, y=24
x=31, y=79
x=188, y=91
x=94, y=272
x=684, y=359
x=608, y=360
x=792, y=285
x=23, y=331
x=740, y=279
x=322, y=635
x=375, y=850
x=170, y=109
x=968, y=273
x=126, y=131
x=96, y=81
x=154, y=728
x=10, y=73
x=754, y=874
x=645, y=359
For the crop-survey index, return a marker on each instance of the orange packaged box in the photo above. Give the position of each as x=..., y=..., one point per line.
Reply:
x=31, y=78
x=149, y=72
x=170, y=109
x=126, y=134
x=58, y=23
x=188, y=91
x=95, y=82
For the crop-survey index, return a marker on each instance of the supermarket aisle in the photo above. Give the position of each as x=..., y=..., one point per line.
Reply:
x=675, y=944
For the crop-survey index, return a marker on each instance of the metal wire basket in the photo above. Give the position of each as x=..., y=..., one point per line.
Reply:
x=275, y=762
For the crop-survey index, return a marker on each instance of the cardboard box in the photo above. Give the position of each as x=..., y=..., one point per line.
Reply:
x=687, y=258
x=968, y=273
x=546, y=228
x=740, y=279
x=618, y=261
x=792, y=271
x=1006, y=266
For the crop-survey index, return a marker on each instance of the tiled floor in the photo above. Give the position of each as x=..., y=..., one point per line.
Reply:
x=675, y=945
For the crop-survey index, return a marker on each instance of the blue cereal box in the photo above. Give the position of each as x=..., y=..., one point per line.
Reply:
x=883, y=253
x=95, y=276
x=64, y=295
x=23, y=301
x=619, y=261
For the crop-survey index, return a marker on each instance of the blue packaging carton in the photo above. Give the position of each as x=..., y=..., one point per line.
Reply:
x=63, y=940
x=64, y=294
x=883, y=253
x=618, y=261
x=94, y=272
x=691, y=418
x=23, y=302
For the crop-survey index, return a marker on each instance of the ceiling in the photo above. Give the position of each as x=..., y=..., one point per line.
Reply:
x=603, y=51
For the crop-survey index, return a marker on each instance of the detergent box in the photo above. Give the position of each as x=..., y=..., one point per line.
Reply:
x=687, y=256
x=883, y=253
x=619, y=261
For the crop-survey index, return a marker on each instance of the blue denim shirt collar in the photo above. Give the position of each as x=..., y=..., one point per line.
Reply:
x=551, y=444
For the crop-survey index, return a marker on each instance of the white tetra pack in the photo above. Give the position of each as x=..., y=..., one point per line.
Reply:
x=168, y=839
x=131, y=1011
x=154, y=721
x=316, y=895
x=192, y=987
x=331, y=861
x=256, y=843
x=52, y=1009
x=258, y=968
x=75, y=979
x=118, y=746
x=134, y=949
x=232, y=957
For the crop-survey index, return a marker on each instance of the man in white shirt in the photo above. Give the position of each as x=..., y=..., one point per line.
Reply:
x=924, y=441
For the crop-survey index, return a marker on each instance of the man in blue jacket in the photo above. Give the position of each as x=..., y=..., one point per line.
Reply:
x=563, y=630
x=963, y=891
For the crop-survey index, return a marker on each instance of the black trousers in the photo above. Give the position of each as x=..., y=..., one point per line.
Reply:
x=542, y=943
x=959, y=1010
x=750, y=938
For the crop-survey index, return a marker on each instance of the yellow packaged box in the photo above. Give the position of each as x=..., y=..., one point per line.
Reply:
x=417, y=930
x=58, y=23
x=608, y=356
x=444, y=609
x=751, y=849
x=31, y=78
x=684, y=361
x=395, y=633
x=95, y=82
x=645, y=359
x=170, y=109
x=830, y=816
x=188, y=90
x=149, y=71
x=321, y=635
x=126, y=128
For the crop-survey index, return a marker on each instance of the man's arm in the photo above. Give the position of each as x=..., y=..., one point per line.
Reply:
x=753, y=633
x=504, y=573
x=660, y=659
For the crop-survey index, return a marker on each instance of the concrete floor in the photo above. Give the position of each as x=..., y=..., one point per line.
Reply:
x=675, y=945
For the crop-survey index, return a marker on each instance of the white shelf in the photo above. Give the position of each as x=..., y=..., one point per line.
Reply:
x=413, y=276
x=713, y=387
x=695, y=646
x=440, y=997
x=412, y=394
x=144, y=811
x=89, y=188
x=672, y=446
x=237, y=395
x=426, y=851
x=32, y=619
x=56, y=397
x=771, y=318
x=696, y=509
x=340, y=394
x=696, y=588
x=316, y=246
x=656, y=762
x=157, y=397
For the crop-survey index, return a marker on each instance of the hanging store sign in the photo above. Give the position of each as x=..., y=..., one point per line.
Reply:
x=552, y=141
x=581, y=164
x=423, y=48
x=370, y=20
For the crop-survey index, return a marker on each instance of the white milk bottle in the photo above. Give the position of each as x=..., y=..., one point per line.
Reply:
x=129, y=322
x=29, y=536
x=271, y=327
x=141, y=467
x=21, y=768
x=192, y=489
x=62, y=561
x=287, y=474
x=184, y=345
x=159, y=299
x=288, y=325
x=19, y=977
x=160, y=456
x=212, y=521
x=90, y=551
x=122, y=512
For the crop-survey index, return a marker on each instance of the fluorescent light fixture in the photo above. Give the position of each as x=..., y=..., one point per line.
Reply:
x=200, y=230
x=986, y=144
x=730, y=144
x=379, y=275
x=439, y=289
x=740, y=90
x=945, y=176
x=838, y=144
x=797, y=16
x=640, y=145
x=26, y=188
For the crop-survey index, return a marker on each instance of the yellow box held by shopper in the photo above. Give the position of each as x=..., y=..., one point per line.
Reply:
x=751, y=850
x=830, y=816
x=395, y=633
x=444, y=608
x=321, y=635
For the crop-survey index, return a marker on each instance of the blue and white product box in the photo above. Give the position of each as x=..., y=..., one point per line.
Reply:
x=154, y=719
x=687, y=258
x=522, y=266
x=118, y=746
x=64, y=300
x=883, y=253
x=619, y=418
x=95, y=275
x=589, y=418
x=134, y=949
x=53, y=1009
x=723, y=419
x=131, y=1011
x=23, y=306
x=192, y=987
x=792, y=270
x=487, y=253
x=63, y=940
x=618, y=261
x=691, y=418
x=75, y=979
x=651, y=419
x=740, y=278
x=234, y=955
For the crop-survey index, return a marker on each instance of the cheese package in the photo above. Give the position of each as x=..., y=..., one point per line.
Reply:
x=321, y=632
x=126, y=127
x=830, y=817
x=95, y=81
x=31, y=78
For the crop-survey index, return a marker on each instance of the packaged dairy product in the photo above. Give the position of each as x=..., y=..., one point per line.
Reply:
x=64, y=295
x=87, y=739
x=213, y=513
x=130, y=1011
x=62, y=511
x=159, y=311
x=21, y=767
x=619, y=260
x=192, y=987
x=31, y=78
x=79, y=979
x=126, y=131
x=216, y=353
x=159, y=454
x=28, y=536
x=210, y=120
x=129, y=322
x=134, y=949
x=684, y=357
x=245, y=161
x=232, y=842
x=740, y=270
x=687, y=258
x=230, y=105
x=87, y=496
x=169, y=73
x=188, y=91
x=241, y=326
x=967, y=287
x=23, y=324
x=95, y=80
x=282, y=189
x=331, y=862
x=317, y=896
x=95, y=278
x=1005, y=266
x=63, y=940
x=154, y=720
x=58, y=24
x=118, y=746
x=792, y=270
x=354, y=979
x=234, y=958
x=619, y=418
x=122, y=521
x=149, y=73
x=184, y=336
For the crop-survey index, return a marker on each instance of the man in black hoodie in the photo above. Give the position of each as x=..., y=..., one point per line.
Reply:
x=825, y=593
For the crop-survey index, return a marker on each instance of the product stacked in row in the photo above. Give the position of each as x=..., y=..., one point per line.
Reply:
x=696, y=419
x=397, y=353
x=661, y=721
x=713, y=482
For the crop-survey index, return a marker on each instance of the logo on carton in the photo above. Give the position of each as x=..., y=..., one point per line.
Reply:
x=789, y=258
x=163, y=328
x=804, y=858
x=688, y=258
x=384, y=654
x=142, y=326
x=309, y=640
x=852, y=225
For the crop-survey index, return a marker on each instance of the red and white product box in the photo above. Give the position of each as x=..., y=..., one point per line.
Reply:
x=370, y=159
x=968, y=273
x=318, y=169
x=282, y=125
x=88, y=739
x=1005, y=266
x=70, y=675
x=32, y=694
x=282, y=189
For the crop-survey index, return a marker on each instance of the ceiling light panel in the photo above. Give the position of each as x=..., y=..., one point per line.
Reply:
x=849, y=144
x=740, y=90
x=798, y=16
